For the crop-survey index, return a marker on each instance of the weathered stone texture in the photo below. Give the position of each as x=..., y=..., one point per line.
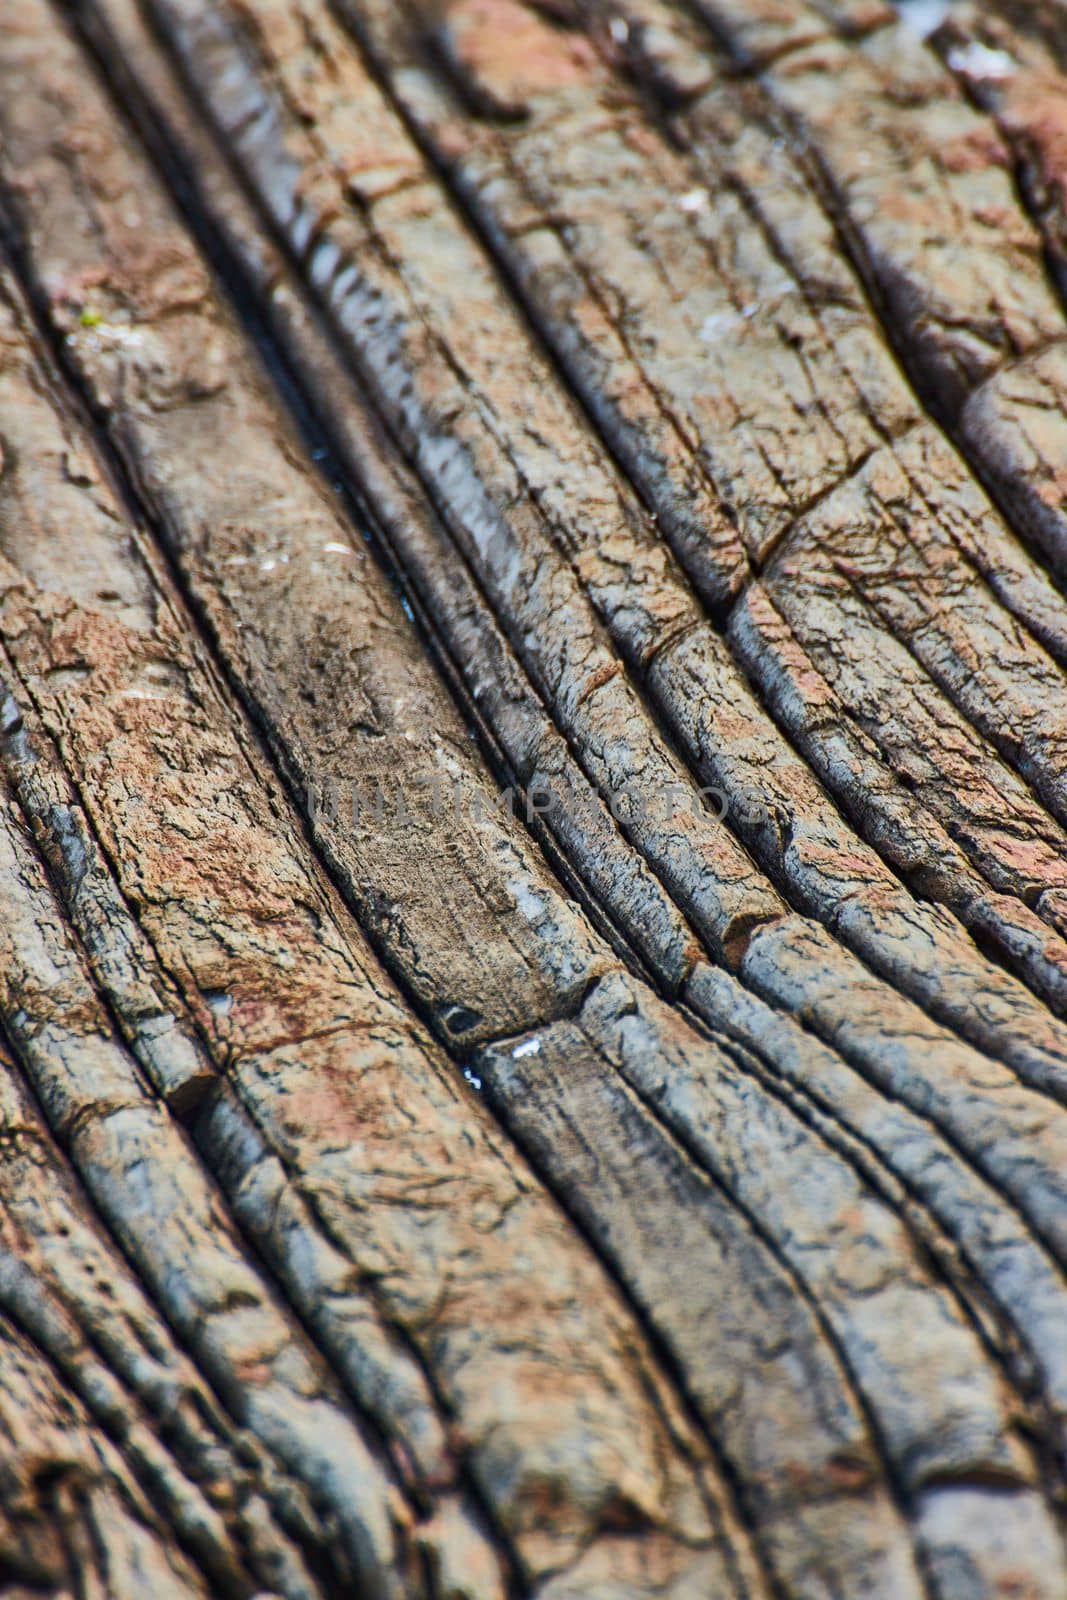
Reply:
x=533, y=800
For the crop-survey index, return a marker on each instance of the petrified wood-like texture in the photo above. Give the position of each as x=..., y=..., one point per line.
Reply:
x=533, y=800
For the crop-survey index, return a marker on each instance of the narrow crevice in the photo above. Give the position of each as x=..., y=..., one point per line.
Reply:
x=1004, y=749
x=242, y=294
x=940, y=42
x=666, y=1360
x=935, y=1241
x=853, y=1384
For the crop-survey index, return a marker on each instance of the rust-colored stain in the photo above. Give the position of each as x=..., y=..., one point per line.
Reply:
x=512, y=55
